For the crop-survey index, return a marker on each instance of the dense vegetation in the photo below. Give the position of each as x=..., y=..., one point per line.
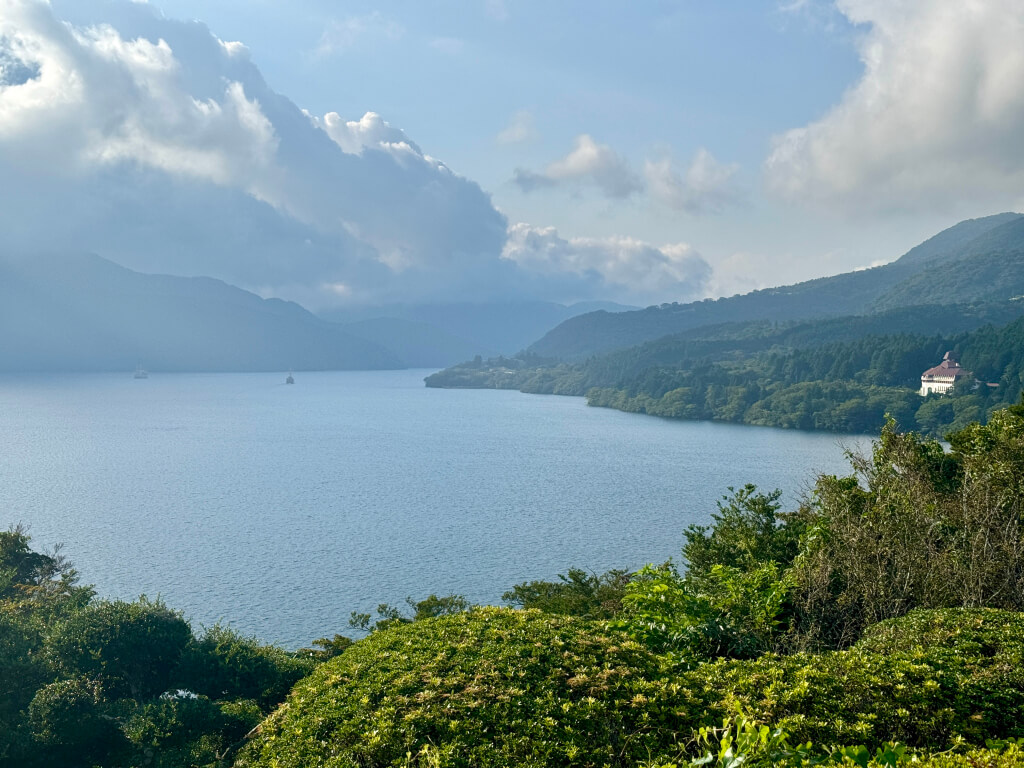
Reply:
x=86, y=682
x=840, y=375
x=879, y=623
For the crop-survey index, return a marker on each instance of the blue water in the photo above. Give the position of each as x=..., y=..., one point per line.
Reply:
x=280, y=509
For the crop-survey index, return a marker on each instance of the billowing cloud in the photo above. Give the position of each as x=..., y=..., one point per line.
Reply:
x=624, y=268
x=937, y=115
x=369, y=132
x=588, y=163
x=154, y=143
x=707, y=186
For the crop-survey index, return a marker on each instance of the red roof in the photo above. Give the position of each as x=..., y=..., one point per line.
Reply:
x=948, y=368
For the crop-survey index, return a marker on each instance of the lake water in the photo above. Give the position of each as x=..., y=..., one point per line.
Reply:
x=280, y=509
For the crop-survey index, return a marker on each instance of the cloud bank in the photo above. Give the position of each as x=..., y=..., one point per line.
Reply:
x=706, y=186
x=936, y=117
x=151, y=142
x=633, y=270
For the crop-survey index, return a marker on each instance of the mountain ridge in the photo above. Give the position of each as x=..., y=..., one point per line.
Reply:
x=849, y=293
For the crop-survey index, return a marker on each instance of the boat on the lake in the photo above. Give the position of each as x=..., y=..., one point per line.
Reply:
x=140, y=373
x=290, y=379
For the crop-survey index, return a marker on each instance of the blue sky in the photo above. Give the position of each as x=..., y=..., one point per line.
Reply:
x=635, y=151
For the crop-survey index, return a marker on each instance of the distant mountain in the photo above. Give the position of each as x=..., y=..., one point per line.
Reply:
x=84, y=313
x=980, y=260
x=437, y=335
x=416, y=344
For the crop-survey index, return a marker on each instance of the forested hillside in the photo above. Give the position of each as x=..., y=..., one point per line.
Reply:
x=842, y=374
x=923, y=275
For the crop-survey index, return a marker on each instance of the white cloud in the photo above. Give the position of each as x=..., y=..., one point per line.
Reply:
x=936, y=118
x=519, y=130
x=707, y=187
x=370, y=131
x=588, y=163
x=622, y=267
x=101, y=99
x=152, y=142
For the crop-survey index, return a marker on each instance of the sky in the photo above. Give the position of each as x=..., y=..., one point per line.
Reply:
x=343, y=153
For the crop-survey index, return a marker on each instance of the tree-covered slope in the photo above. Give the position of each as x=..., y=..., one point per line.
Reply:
x=852, y=293
x=842, y=374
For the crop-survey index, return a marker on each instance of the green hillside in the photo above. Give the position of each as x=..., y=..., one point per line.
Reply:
x=988, y=268
x=853, y=293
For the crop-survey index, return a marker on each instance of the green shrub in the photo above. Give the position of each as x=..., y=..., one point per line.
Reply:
x=188, y=730
x=746, y=532
x=224, y=664
x=925, y=694
x=493, y=687
x=724, y=612
x=67, y=720
x=133, y=649
x=576, y=593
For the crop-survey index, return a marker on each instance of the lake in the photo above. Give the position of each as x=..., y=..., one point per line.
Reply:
x=280, y=509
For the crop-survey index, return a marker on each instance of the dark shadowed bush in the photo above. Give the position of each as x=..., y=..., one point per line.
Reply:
x=133, y=649
x=67, y=721
x=224, y=664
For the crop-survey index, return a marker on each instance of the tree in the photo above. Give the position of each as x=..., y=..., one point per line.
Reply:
x=132, y=649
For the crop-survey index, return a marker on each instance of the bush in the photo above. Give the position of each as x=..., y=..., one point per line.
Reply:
x=67, y=719
x=925, y=693
x=188, y=730
x=576, y=593
x=224, y=664
x=133, y=649
x=914, y=527
x=493, y=687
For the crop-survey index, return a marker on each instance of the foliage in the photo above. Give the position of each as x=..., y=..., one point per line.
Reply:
x=187, y=730
x=492, y=687
x=116, y=683
x=746, y=532
x=222, y=664
x=576, y=593
x=45, y=584
x=326, y=648
x=928, y=695
x=389, y=615
x=132, y=649
x=725, y=611
x=915, y=527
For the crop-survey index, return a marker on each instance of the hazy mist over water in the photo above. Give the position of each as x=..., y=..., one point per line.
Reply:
x=281, y=509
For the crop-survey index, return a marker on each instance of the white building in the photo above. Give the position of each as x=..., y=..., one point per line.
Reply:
x=943, y=376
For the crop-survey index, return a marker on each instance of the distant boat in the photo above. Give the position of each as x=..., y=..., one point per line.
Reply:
x=290, y=379
x=140, y=373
